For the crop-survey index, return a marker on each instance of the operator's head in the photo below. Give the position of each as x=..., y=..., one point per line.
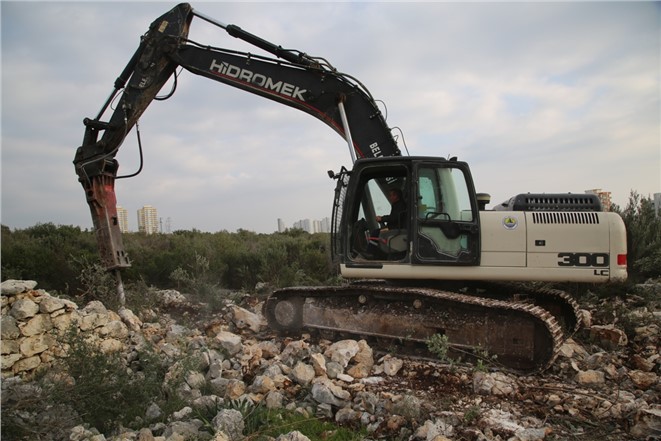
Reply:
x=394, y=195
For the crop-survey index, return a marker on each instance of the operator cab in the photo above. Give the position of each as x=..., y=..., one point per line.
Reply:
x=438, y=224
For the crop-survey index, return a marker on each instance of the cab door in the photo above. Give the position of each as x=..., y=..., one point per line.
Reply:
x=446, y=221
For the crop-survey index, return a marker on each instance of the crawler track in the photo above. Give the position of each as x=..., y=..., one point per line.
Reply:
x=560, y=304
x=521, y=335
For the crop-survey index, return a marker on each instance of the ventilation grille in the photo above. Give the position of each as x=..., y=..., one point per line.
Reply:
x=552, y=202
x=575, y=217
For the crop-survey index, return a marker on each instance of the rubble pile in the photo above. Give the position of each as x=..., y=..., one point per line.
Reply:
x=604, y=384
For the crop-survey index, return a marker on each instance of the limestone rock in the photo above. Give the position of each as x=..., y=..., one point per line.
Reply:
x=608, y=334
x=130, y=319
x=36, y=344
x=229, y=341
x=326, y=392
x=9, y=328
x=22, y=309
x=50, y=304
x=12, y=287
x=303, y=373
x=590, y=377
x=229, y=421
x=39, y=324
x=364, y=361
x=243, y=319
x=392, y=365
x=342, y=351
x=318, y=363
x=643, y=380
x=495, y=383
x=293, y=436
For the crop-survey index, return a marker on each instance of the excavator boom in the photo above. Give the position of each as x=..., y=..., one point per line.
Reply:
x=295, y=79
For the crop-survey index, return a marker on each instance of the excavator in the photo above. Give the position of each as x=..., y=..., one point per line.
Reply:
x=446, y=266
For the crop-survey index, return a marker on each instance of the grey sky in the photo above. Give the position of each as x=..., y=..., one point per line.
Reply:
x=537, y=97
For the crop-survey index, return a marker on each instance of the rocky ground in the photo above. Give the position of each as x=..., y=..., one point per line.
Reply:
x=604, y=384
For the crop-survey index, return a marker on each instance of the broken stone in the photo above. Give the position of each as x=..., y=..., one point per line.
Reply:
x=495, y=383
x=22, y=309
x=229, y=341
x=292, y=436
x=36, y=344
x=647, y=424
x=302, y=373
x=50, y=304
x=643, y=380
x=325, y=392
x=342, y=351
x=294, y=351
x=347, y=416
x=391, y=365
x=608, y=334
x=12, y=287
x=9, y=328
x=346, y=378
x=408, y=406
x=234, y=389
x=570, y=348
x=642, y=363
x=318, y=363
x=245, y=319
x=333, y=369
x=590, y=377
x=130, y=319
x=364, y=361
x=274, y=400
x=262, y=385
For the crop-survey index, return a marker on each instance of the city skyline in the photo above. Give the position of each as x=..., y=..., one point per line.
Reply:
x=318, y=225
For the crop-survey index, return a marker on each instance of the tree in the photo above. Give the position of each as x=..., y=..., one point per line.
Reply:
x=643, y=237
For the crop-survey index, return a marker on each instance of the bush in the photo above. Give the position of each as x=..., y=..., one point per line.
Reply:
x=64, y=259
x=102, y=389
x=643, y=237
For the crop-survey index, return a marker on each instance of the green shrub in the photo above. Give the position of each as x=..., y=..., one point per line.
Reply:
x=261, y=423
x=102, y=389
x=643, y=237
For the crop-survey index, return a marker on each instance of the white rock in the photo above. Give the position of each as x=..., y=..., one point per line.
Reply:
x=391, y=365
x=130, y=319
x=590, y=377
x=229, y=341
x=302, y=373
x=12, y=287
x=23, y=309
x=342, y=351
x=245, y=319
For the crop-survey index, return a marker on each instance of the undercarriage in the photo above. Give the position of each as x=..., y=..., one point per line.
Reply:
x=522, y=330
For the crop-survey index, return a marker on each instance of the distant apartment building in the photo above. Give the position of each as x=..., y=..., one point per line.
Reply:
x=148, y=220
x=304, y=224
x=123, y=219
x=325, y=225
x=281, y=226
x=311, y=226
x=604, y=197
x=657, y=204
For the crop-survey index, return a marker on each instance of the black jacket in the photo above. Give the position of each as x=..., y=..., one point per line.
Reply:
x=397, y=217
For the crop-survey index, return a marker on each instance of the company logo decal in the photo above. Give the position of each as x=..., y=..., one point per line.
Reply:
x=231, y=71
x=510, y=222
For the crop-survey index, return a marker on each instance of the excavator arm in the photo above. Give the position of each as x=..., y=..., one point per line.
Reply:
x=294, y=79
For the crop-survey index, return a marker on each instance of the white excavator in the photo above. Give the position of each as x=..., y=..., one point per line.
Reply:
x=440, y=264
